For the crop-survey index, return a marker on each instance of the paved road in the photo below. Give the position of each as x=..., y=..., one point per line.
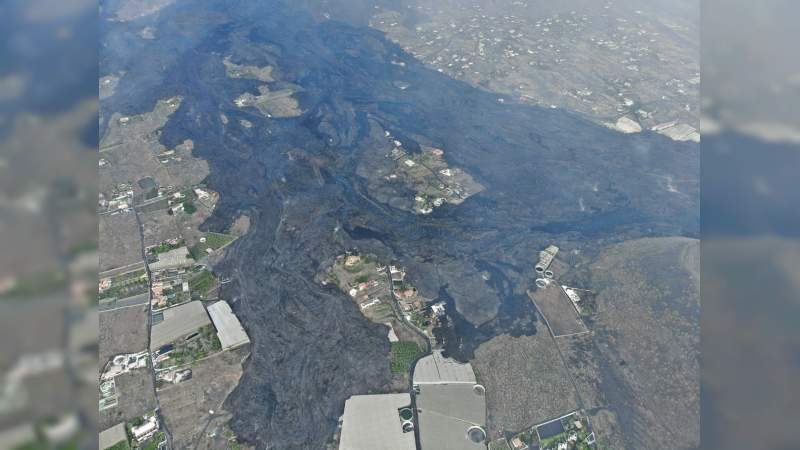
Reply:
x=141, y=299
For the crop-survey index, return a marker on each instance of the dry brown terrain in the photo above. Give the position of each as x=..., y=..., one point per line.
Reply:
x=526, y=381
x=557, y=309
x=136, y=397
x=119, y=239
x=642, y=364
x=123, y=330
x=189, y=407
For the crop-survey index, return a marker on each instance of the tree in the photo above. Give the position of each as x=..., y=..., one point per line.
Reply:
x=189, y=207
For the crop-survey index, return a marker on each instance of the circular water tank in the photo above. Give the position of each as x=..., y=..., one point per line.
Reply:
x=539, y=269
x=541, y=282
x=408, y=426
x=548, y=274
x=476, y=434
x=406, y=414
x=479, y=390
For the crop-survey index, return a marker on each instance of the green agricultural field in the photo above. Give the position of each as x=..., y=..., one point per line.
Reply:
x=382, y=310
x=152, y=444
x=127, y=285
x=218, y=240
x=190, y=352
x=363, y=278
x=214, y=241
x=202, y=284
x=165, y=247
x=402, y=355
x=121, y=445
x=499, y=444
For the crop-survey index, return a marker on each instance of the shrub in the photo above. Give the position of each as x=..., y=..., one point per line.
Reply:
x=362, y=278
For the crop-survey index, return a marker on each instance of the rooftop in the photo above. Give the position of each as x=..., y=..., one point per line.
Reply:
x=451, y=416
x=451, y=406
x=229, y=330
x=372, y=422
x=435, y=368
x=177, y=322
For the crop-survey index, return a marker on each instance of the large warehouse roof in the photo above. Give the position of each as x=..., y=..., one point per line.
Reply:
x=178, y=322
x=229, y=330
x=451, y=406
x=450, y=416
x=372, y=422
x=435, y=368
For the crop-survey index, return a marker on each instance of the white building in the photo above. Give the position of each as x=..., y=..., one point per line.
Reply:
x=145, y=430
x=229, y=329
x=372, y=422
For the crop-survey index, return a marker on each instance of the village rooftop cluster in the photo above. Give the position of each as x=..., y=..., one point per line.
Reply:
x=430, y=177
x=164, y=327
x=540, y=58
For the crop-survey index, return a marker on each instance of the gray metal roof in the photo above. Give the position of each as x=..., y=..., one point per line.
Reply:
x=178, y=322
x=446, y=412
x=435, y=368
x=229, y=329
x=372, y=422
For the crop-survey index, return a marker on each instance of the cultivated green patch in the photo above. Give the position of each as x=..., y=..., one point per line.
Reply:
x=202, y=284
x=402, y=355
